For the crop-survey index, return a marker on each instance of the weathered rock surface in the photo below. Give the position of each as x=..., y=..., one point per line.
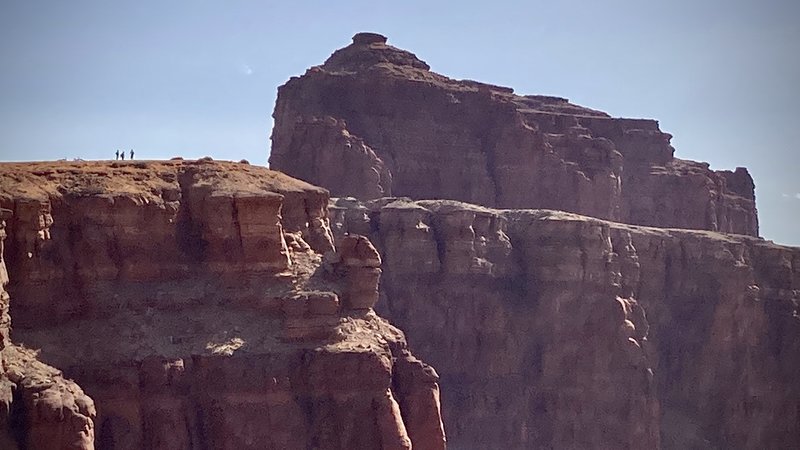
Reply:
x=39, y=409
x=374, y=121
x=193, y=303
x=554, y=330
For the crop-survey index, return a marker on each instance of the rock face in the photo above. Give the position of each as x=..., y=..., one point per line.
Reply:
x=553, y=330
x=374, y=121
x=203, y=305
x=39, y=409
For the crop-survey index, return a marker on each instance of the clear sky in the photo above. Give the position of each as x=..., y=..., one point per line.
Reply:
x=194, y=78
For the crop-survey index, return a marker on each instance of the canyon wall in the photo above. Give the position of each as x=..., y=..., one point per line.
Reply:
x=39, y=408
x=204, y=305
x=554, y=330
x=375, y=121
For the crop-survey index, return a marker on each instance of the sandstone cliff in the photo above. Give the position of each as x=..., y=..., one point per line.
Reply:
x=374, y=121
x=39, y=409
x=204, y=305
x=554, y=330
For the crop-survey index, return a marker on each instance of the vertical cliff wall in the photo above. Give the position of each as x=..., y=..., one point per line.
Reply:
x=192, y=301
x=39, y=408
x=374, y=121
x=553, y=330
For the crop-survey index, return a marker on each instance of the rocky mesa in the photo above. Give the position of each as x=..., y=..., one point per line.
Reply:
x=200, y=304
x=594, y=291
x=375, y=121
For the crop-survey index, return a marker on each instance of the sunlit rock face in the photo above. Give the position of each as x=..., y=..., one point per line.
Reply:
x=375, y=121
x=554, y=330
x=201, y=304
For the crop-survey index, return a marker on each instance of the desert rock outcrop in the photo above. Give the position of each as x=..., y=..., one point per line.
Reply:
x=554, y=330
x=375, y=121
x=203, y=304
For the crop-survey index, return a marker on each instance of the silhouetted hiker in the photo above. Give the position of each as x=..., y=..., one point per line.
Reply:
x=117, y=154
x=131, y=153
x=122, y=155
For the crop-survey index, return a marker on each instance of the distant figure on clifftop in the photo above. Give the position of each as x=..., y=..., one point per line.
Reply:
x=122, y=156
x=131, y=153
x=117, y=155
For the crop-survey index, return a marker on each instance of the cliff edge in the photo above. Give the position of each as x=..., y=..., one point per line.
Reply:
x=205, y=304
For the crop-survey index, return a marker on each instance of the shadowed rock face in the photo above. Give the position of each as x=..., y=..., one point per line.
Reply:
x=39, y=409
x=193, y=303
x=374, y=121
x=553, y=330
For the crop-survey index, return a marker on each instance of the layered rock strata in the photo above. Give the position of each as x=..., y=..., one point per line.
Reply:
x=203, y=305
x=375, y=121
x=39, y=408
x=554, y=330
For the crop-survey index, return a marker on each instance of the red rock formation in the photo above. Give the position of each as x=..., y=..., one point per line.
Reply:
x=349, y=166
x=375, y=121
x=191, y=300
x=39, y=409
x=553, y=330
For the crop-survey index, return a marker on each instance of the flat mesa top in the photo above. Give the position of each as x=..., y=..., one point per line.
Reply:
x=48, y=179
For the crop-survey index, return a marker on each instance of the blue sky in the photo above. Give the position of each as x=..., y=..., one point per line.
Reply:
x=83, y=78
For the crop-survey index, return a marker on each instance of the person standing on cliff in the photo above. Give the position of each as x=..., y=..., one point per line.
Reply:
x=117, y=155
x=131, y=153
x=122, y=155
